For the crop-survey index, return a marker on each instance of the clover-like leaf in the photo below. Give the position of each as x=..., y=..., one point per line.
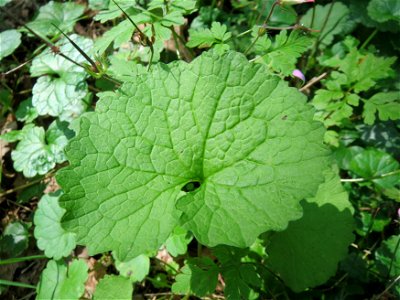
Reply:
x=38, y=152
x=113, y=287
x=219, y=145
x=50, y=236
x=64, y=15
x=59, y=281
x=307, y=253
x=10, y=40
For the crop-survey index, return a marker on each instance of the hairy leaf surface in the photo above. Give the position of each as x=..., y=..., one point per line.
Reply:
x=219, y=146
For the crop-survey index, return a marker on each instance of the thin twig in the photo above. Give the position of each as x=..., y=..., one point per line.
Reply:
x=313, y=81
x=16, y=68
x=370, y=178
x=389, y=287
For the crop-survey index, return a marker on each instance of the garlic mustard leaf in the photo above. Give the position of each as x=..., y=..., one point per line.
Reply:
x=50, y=236
x=64, y=15
x=219, y=146
x=59, y=281
x=113, y=287
x=307, y=253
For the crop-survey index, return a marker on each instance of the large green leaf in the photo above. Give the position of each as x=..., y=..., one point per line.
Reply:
x=49, y=234
x=220, y=146
x=64, y=15
x=10, y=40
x=59, y=281
x=306, y=254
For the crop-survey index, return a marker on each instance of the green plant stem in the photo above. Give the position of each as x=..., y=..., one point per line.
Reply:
x=371, y=36
x=21, y=259
x=18, y=284
x=371, y=178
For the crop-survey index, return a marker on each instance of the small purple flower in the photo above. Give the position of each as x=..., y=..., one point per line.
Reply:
x=398, y=213
x=297, y=73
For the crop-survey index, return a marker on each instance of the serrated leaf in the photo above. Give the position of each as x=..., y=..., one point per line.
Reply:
x=314, y=245
x=10, y=40
x=384, y=10
x=178, y=241
x=372, y=163
x=135, y=269
x=219, y=122
x=118, y=34
x=205, y=38
x=50, y=236
x=38, y=152
x=281, y=55
x=113, y=287
x=386, y=104
x=331, y=19
x=64, y=15
x=199, y=276
x=59, y=281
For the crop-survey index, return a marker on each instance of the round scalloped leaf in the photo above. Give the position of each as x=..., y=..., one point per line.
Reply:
x=219, y=145
x=50, y=236
x=49, y=63
x=64, y=15
x=59, y=281
x=113, y=287
x=307, y=253
x=10, y=40
x=38, y=152
x=62, y=97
